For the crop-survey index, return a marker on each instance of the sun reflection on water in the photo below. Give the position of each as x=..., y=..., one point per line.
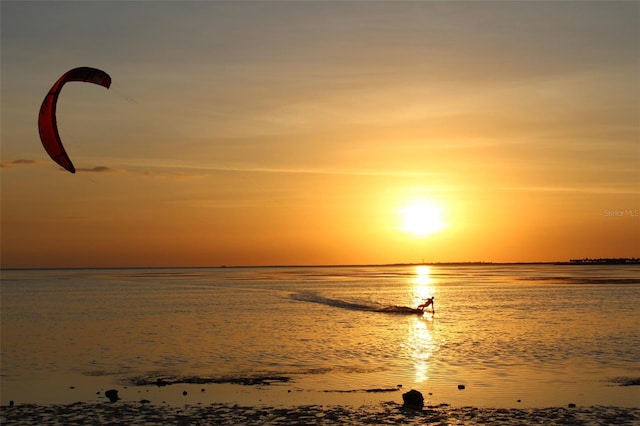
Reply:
x=421, y=347
x=423, y=284
x=420, y=339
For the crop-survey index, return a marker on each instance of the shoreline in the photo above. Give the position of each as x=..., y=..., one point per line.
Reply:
x=391, y=413
x=283, y=391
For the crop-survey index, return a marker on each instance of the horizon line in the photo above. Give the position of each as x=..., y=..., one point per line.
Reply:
x=582, y=261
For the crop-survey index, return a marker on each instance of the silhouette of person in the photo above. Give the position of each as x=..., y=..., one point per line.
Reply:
x=428, y=302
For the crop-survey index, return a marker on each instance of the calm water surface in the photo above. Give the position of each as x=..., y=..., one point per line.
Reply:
x=514, y=335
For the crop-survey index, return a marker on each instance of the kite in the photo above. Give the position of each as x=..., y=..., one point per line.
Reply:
x=47, y=124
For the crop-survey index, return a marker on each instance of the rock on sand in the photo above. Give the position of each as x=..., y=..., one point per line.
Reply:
x=413, y=399
x=112, y=394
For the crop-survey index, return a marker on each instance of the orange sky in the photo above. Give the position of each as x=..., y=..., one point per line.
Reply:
x=260, y=133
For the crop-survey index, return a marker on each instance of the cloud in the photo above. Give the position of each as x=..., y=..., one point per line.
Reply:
x=98, y=169
x=19, y=162
x=577, y=189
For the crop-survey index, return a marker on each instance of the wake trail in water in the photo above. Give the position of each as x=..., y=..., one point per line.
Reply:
x=313, y=297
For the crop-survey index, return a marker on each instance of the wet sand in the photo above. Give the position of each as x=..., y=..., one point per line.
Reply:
x=386, y=413
x=265, y=402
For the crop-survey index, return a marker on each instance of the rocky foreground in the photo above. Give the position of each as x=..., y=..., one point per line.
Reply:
x=389, y=413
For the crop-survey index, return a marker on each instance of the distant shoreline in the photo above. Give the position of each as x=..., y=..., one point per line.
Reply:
x=584, y=261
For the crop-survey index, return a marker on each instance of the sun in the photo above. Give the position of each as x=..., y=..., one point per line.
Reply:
x=421, y=218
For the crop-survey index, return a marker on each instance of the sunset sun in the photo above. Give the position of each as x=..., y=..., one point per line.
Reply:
x=421, y=218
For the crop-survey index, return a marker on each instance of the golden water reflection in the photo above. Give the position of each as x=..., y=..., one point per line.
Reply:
x=423, y=284
x=420, y=338
x=421, y=347
x=423, y=277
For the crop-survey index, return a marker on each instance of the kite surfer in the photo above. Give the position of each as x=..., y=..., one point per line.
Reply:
x=428, y=302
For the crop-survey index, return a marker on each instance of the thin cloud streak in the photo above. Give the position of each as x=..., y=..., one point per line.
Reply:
x=576, y=189
x=21, y=162
x=151, y=168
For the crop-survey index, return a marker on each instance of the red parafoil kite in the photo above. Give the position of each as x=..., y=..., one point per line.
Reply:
x=47, y=124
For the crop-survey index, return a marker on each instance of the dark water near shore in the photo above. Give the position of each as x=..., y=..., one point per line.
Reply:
x=514, y=335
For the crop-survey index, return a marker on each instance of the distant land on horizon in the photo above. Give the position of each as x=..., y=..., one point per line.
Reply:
x=583, y=261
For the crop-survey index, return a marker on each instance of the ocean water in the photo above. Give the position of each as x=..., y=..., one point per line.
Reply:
x=512, y=335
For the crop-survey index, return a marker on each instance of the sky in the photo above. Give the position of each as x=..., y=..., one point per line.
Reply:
x=322, y=132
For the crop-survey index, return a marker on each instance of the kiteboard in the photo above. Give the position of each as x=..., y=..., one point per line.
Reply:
x=401, y=310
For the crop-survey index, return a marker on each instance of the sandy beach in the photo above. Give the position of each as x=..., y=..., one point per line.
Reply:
x=388, y=413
